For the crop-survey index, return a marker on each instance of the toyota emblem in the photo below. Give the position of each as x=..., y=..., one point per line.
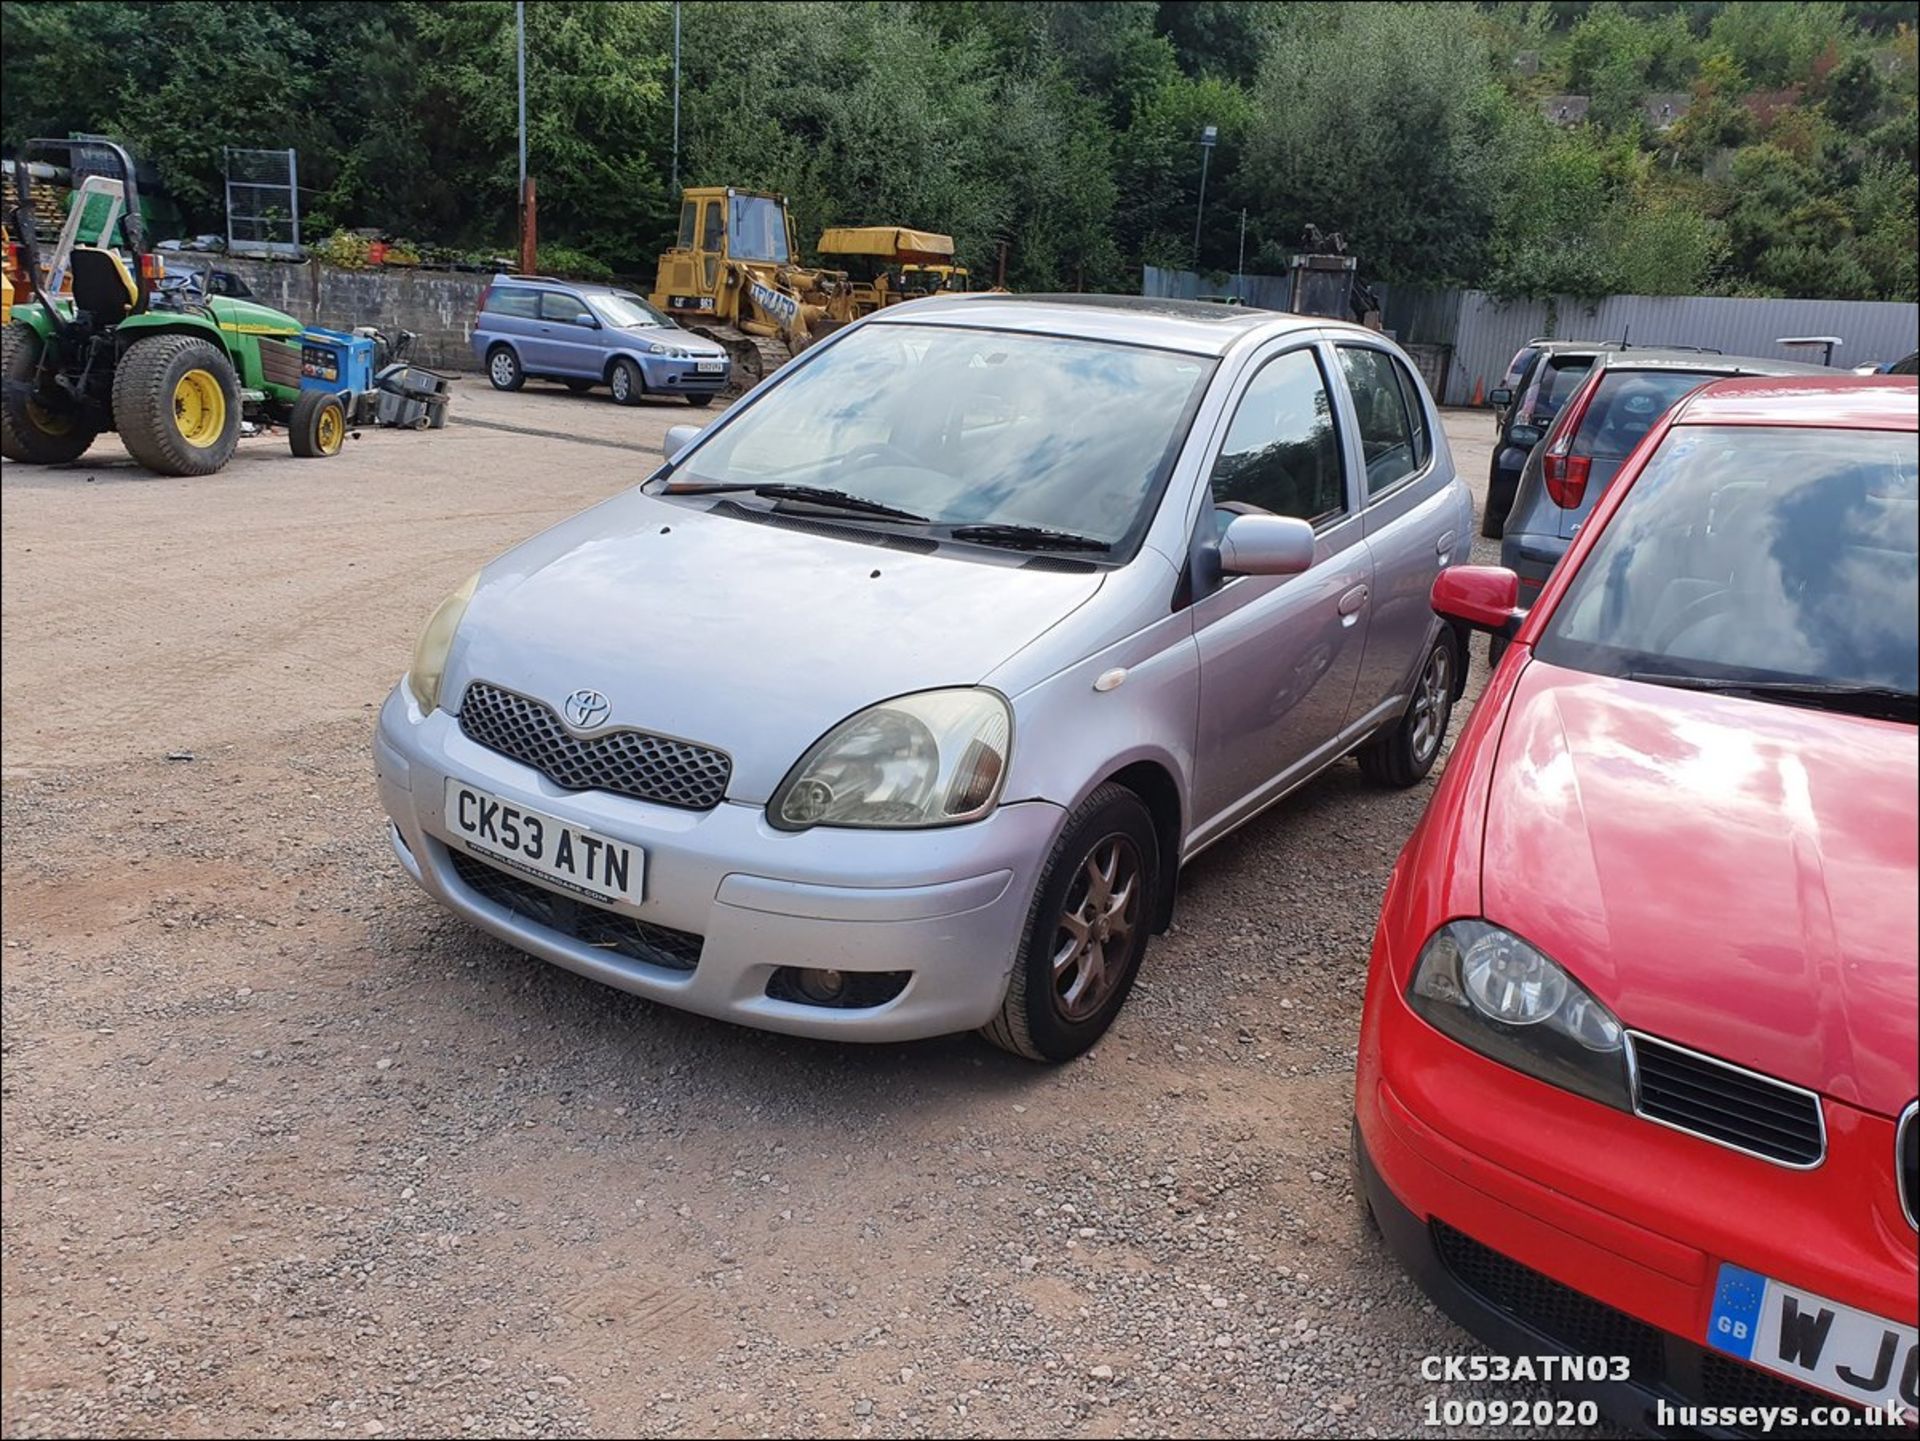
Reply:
x=587, y=709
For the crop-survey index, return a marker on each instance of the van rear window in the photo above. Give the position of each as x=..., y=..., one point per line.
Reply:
x=512, y=300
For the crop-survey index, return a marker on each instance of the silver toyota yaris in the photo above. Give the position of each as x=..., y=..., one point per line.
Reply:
x=893, y=702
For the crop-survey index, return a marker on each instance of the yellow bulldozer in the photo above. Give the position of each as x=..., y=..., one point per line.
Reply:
x=734, y=274
x=890, y=263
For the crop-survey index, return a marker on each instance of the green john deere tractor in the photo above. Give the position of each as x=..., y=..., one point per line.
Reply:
x=102, y=347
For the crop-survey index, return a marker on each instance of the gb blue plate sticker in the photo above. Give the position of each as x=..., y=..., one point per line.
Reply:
x=1736, y=1311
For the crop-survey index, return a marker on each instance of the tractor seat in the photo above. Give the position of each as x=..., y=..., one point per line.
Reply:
x=101, y=285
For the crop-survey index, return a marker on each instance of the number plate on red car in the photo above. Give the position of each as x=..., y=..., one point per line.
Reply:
x=1837, y=1348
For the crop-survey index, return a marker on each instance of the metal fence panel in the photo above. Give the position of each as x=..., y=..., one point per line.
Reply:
x=1482, y=332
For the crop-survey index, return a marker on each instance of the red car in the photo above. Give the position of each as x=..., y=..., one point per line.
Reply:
x=1638, y=1063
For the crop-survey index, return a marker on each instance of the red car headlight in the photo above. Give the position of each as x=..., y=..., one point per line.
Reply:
x=1497, y=994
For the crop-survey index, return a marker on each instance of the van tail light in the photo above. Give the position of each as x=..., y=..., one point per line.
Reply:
x=1566, y=473
x=480, y=303
x=1566, y=477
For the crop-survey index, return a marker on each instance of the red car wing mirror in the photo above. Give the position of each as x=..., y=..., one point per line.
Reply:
x=1486, y=597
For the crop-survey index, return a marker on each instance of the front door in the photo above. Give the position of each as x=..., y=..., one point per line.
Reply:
x=1278, y=654
x=570, y=337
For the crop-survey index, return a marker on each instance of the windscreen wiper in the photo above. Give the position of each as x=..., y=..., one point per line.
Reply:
x=1027, y=537
x=1876, y=701
x=780, y=490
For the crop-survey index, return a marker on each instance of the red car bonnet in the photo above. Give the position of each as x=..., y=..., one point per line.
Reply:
x=1734, y=875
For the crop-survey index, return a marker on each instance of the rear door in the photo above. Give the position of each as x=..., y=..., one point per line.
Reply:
x=1410, y=518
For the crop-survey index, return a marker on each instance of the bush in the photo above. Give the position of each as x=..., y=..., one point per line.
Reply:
x=573, y=264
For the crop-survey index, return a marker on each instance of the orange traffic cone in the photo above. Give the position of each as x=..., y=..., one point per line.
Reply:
x=1479, y=392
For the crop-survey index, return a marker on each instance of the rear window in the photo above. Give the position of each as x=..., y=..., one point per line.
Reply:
x=1553, y=386
x=1756, y=553
x=513, y=300
x=1518, y=365
x=1625, y=407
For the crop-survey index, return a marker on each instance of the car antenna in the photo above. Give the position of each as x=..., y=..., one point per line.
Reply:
x=1625, y=331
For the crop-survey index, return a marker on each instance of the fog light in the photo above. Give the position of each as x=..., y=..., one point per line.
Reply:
x=822, y=987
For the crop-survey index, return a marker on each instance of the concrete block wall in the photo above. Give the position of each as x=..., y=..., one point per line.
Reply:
x=437, y=305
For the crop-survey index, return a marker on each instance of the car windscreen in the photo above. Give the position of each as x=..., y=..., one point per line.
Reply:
x=966, y=427
x=757, y=229
x=1626, y=405
x=626, y=311
x=1755, y=553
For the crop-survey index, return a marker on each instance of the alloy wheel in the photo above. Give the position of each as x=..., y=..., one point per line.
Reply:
x=1096, y=928
x=1431, y=702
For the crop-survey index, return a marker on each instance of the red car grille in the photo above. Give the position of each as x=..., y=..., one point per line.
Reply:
x=1726, y=1103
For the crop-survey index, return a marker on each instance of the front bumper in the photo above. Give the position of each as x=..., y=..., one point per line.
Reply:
x=682, y=377
x=946, y=905
x=1547, y=1224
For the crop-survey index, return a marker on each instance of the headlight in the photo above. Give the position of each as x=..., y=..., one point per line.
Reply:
x=430, y=651
x=932, y=759
x=672, y=352
x=1491, y=991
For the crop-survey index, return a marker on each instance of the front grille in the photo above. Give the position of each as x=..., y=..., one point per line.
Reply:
x=656, y=945
x=1579, y=1325
x=1726, y=1103
x=633, y=763
x=1906, y=1161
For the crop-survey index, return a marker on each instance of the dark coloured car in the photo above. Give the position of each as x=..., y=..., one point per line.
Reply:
x=1624, y=394
x=1540, y=379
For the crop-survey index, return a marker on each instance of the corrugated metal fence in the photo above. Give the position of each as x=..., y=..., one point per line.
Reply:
x=1483, y=332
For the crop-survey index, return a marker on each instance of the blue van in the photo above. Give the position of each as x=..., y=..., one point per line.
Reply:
x=588, y=335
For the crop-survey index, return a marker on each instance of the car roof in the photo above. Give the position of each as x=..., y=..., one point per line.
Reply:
x=598, y=287
x=1706, y=361
x=1193, y=326
x=1843, y=401
x=1561, y=347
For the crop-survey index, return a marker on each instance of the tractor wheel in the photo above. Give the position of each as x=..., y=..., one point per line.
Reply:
x=319, y=424
x=28, y=432
x=176, y=404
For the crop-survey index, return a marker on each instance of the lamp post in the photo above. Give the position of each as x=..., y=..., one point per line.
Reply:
x=676, y=95
x=527, y=244
x=1209, y=136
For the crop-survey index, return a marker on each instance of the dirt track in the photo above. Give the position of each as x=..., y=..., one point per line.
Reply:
x=288, y=1149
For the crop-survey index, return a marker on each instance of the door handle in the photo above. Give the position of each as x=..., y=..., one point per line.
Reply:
x=1443, y=547
x=1350, y=604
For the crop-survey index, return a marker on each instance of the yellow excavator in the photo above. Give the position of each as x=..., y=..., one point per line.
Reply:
x=890, y=263
x=733, y=274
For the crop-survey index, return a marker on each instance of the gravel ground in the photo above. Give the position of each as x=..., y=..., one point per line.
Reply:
x=289, y=1151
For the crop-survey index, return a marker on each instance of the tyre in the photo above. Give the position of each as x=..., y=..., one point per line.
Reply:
x=176, y=404
x=700, y=402
x=319, y=424
x=578, y=387
x=503, y=368
x=1493, y=520
x=1404, y=755
x=626, y=383
x=1092, y=913
x=27, y=431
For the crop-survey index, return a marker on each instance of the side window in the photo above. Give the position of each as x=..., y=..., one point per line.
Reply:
x=558, y=305
x=689, y=222
x=716, y=223
x=1417, y=413
x=1386, y=438
x=1282, y=452
x=511, y=300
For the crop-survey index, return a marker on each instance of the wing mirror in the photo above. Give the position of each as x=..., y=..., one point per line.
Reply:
x=586, y=319
x=1486, y=597
x=677, y=439
x=1500, y=397
x=1266, y=545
